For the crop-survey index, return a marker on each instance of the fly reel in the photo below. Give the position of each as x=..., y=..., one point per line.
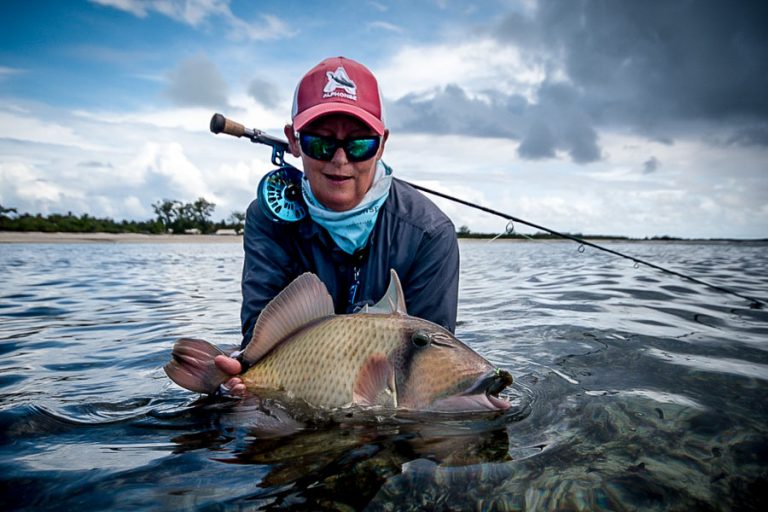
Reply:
x=279, y=195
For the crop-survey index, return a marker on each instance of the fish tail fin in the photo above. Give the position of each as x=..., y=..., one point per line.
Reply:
x=192, y=366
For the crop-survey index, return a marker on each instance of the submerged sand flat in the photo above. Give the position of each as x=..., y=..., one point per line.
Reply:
x=36, y=237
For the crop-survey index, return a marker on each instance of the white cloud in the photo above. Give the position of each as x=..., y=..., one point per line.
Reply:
x=29, y=128
x=244, y=109
x=191, y=12
x=6, y=71
x=26, y=183
x=196, y=12
x=29, y=187
x=135, y=7
x=389, y=27
x=475, y=65
x=133, y=207
x=700, y=191
x=169, y=163
x=608, y=197
x=192, y=119
x=379, y=6
x=267, y=27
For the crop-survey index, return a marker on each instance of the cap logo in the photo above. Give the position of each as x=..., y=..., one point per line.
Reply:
x=339, y=80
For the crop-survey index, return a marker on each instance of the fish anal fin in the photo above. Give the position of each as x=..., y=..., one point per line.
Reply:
x=192, y=366
x=304, y=300
x=372, y=383
x=393, y=300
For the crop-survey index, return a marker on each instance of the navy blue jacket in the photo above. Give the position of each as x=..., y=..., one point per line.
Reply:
x=411, y=236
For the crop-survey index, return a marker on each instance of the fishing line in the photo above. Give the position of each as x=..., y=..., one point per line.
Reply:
x=281, y=198
x=754, y=303
x=509, y=230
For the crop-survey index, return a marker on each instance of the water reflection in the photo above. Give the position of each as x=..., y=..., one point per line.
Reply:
x=342, y=462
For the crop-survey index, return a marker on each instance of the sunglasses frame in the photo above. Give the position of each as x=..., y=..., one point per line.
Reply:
x=336, y=144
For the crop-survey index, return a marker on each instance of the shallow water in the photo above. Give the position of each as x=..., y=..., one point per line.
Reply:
x=634, y=390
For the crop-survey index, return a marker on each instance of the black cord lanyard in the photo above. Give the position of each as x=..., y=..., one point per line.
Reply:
x=352, y=297
x=357, y=261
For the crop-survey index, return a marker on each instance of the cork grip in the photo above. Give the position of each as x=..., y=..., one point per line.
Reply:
x=220, y=124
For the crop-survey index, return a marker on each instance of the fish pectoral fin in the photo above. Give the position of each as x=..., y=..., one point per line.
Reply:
x=192, y=366
x=372, y=384
x=304, y=300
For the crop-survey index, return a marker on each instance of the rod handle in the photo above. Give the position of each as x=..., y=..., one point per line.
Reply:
x=220, y=124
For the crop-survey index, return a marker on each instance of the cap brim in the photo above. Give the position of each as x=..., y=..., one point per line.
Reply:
x=312, y=113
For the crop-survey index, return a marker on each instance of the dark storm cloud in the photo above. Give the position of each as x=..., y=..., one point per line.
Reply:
x=538, y=143
x=544, y=128
x=651, y=165
x=451, y=110
x=196, y=82
x=754, y=135
x=558, y=109
x=264, y=92
x=658, y=68
x=641, y=61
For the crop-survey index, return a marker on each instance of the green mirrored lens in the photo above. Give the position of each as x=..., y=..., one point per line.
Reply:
x=319, y=148
x=361, y=149
x=323, y=148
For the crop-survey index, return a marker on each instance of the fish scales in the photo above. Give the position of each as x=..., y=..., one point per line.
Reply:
x=320, y=363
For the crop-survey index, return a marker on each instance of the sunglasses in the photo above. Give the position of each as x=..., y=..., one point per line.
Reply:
x=358, y=149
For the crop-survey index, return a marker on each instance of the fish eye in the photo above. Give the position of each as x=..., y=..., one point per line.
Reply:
x=420, y=339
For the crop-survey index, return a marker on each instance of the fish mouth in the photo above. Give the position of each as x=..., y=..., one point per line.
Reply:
x=482, y=395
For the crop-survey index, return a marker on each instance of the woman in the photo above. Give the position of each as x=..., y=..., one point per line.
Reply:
x=362, y=222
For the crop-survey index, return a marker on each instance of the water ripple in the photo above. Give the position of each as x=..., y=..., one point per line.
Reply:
x=633, y=389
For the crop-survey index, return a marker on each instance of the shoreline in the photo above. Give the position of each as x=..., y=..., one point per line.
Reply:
x=38, y=237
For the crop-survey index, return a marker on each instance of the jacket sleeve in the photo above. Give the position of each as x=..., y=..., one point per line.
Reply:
x=432, y=288
x=267, y=266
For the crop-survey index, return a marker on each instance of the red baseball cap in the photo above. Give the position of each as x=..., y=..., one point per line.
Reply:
x=338, y=86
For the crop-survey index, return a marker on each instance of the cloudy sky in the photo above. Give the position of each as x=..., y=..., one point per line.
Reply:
x=601, y=117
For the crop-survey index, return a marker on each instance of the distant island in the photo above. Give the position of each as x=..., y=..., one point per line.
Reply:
x=173, y=217
x=176, y=217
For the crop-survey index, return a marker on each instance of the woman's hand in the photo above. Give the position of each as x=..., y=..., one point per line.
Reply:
x=231, y=366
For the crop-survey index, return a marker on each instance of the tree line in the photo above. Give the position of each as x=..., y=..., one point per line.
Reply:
x=172, y=216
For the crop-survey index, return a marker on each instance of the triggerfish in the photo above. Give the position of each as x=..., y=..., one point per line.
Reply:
x=380, y=356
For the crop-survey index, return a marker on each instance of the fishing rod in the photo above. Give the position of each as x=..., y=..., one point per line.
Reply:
x=279, y=190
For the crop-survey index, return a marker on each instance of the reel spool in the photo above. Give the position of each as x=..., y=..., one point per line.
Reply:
x=279, y=195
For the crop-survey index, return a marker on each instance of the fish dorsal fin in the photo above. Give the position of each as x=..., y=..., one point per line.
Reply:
x=304, y=300
x=393, y=300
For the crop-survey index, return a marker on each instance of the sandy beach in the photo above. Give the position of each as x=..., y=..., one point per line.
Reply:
x=36, y=237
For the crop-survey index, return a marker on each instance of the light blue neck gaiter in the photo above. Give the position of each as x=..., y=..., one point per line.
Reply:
x=350, y=229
